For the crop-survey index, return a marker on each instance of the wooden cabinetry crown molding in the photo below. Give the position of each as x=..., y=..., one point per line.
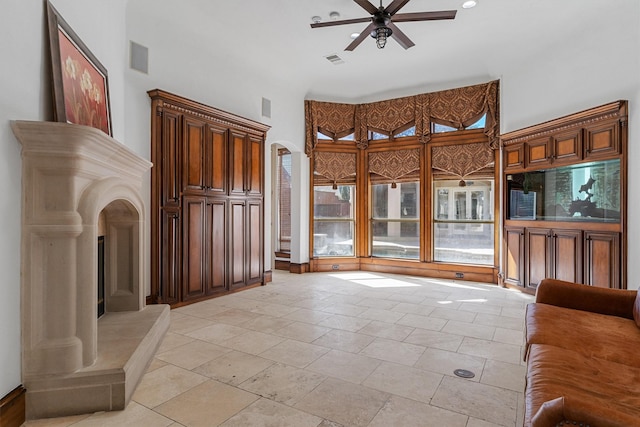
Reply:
x=610, y=111
x=206, y=112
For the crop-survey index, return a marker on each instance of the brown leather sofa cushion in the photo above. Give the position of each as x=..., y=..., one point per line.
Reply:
x=596, y=392
x=593, y=335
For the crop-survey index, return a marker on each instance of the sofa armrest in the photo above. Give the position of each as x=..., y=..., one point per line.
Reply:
x=612, y=302
x=563, y=411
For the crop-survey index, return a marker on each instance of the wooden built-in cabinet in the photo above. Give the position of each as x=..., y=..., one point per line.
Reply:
x=554, y=224
x=207, y=218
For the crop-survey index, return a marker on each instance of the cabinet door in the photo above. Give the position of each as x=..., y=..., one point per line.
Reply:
x=217, y=171
x=194, y=247
x=567, y=146
x=567, y=255
x=216, y=244
x=237, y=173
x=170, y=158
x=538, y=241
x=602, y=140
x=538, y=152
x=254, y=166
x=514, y=255
x=602, y=259
x=170, y=254
x=237, y=243
x=255, y=243
x=194, y=149
x=514, y=157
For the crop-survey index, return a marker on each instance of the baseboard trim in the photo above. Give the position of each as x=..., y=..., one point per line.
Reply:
x=299, y=268
x=268, y=276
x=13, y=408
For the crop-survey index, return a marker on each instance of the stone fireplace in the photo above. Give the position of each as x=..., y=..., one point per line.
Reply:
x=78, y=184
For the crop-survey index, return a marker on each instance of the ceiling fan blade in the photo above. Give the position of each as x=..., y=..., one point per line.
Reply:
x=400, y=37
x=363, y=35
x=366, y=5
x=395, y=6
x=425, y=16
x=343, y=22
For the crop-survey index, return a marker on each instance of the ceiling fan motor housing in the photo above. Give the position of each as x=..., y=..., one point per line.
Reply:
x=381, y=19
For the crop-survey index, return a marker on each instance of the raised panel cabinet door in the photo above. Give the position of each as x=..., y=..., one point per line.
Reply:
x=237, y=172
x=567, y=146
x=216, y=266
x=237, y=252
x=602, y=140
x=567, y=255
x=255, y=241
x=170, y=157
x=514, y=157
x=194, y=247
x=170, y=252
x=254, y=164
x=538, y=152
x=602, y=259
x=538, y=255
x=217, y=170
x=514, y=256
x=194, y=159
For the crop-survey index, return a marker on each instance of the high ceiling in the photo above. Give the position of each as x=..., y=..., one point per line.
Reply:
x=274, y=37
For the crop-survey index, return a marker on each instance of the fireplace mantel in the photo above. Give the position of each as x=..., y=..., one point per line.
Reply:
x=73, y=177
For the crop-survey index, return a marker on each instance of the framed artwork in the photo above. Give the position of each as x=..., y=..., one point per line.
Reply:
x=80, y=84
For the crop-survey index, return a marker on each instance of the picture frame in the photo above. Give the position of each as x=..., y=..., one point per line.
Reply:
x=80, y=81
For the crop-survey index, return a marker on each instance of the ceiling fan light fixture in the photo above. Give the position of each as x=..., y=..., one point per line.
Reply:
x=381, y=34
x=469, y=4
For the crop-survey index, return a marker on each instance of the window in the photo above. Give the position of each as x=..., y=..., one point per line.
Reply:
x=440, y=128
x=409, y=132
x=375, y=136
x=463, y=222
x=283, y=201
x=333, y=222
x=395, y=220
x=324, y=137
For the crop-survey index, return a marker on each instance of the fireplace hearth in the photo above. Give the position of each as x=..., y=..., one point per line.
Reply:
x=78, y=183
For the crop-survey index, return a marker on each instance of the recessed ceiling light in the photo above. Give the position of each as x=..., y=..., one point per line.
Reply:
x=316, y=19
x=354, y=35
x=469, y=4
x=334, y=15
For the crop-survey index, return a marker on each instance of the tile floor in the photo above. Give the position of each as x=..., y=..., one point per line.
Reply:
x=330, y=350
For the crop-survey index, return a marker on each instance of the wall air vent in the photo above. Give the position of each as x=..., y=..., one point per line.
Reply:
x=334, y=59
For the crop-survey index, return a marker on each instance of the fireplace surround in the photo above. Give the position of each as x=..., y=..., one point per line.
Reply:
x=79, y=183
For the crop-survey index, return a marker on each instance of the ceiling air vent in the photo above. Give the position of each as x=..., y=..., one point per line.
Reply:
x=334, y=59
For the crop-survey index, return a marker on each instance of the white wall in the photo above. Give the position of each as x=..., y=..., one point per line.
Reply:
x=185, y=63
x=26, y=95
x=601, y=66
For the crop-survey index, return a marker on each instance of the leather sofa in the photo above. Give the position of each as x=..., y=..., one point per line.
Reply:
x=583, y=356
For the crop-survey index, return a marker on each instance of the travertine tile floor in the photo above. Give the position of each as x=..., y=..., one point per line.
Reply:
x=336, y=349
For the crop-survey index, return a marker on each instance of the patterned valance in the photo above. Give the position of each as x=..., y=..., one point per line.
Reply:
x=394, y=164
x=332, y=119
x=335, y=167
x=463, y=159
x=390, y=116
x=464, y=106
x=455, y=107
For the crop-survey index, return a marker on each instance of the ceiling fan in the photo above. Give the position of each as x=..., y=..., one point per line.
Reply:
x=382, y=27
